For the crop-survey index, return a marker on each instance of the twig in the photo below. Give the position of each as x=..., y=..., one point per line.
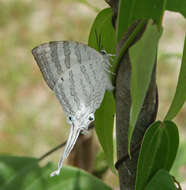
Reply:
x=90, y=5
x=52, y=150
x=177, y=183
x=91, y=125
x=126, y=156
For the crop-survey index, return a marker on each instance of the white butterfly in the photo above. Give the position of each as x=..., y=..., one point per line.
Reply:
x=78, y=76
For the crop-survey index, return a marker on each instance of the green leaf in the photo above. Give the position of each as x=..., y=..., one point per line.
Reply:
x=142, y=56
x=21, y=173
x=177, y=6
x=127, y=43
x=158, y=151
x=104, y=126
x=102, y=36
x=129, y=11
x=161, y=181
x=180, y=95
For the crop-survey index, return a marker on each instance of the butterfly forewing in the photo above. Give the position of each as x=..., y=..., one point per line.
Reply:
x=55, y=58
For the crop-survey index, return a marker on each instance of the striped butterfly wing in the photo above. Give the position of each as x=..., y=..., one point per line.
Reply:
x=74, y=71
x=55, y=58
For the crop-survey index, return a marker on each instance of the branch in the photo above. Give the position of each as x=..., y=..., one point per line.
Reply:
x=52, y=150
x=127, y=168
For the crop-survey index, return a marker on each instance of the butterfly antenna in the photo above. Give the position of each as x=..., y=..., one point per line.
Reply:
x=98, y=39
x=100, y=46
x=72, y=138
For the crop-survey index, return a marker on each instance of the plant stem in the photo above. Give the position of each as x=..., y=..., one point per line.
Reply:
x=52, y=150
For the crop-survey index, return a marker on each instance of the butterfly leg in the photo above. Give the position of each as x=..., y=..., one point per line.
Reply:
x=111, y=55
x=109, y=85
x=110, y=72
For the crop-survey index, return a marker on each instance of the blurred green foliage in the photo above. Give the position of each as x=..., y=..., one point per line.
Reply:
x=23, y=173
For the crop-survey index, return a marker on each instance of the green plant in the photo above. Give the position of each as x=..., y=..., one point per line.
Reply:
x=132, y=32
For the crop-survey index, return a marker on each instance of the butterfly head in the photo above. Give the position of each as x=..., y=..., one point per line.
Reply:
x=82, y=122
x=79, y=123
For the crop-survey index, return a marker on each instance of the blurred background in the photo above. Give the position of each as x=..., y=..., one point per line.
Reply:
x=31, y=119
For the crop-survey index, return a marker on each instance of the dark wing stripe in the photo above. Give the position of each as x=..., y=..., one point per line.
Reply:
x=67, y=53
x=93, y=71
x=87, y=78
x=59, y=91
x=73, y=91
x=77, y=52
x=54, y=55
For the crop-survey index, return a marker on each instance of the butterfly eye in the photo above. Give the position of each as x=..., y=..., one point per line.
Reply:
x=70, y=118
x=103, y=52
x=91, y=118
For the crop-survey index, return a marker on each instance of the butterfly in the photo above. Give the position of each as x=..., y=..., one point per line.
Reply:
x=79, y=77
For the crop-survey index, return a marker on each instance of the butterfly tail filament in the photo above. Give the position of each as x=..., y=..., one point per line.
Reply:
x=72, y=138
